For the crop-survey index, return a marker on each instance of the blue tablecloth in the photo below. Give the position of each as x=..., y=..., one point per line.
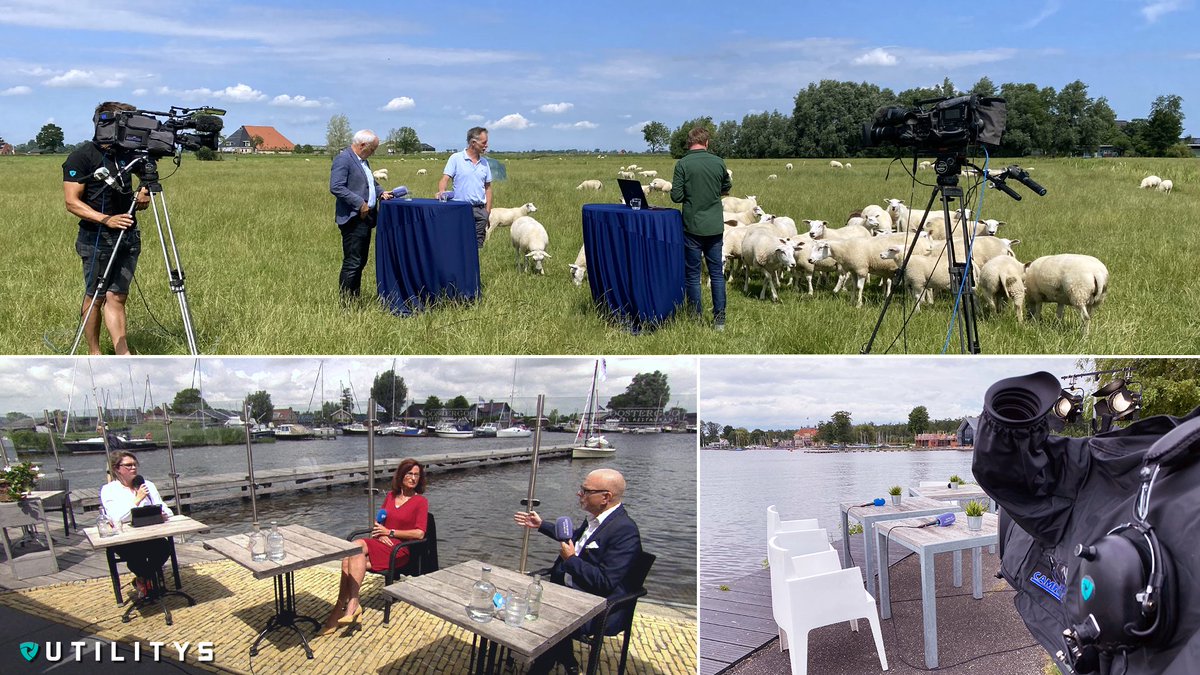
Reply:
x=634, y=261
x=425, y=250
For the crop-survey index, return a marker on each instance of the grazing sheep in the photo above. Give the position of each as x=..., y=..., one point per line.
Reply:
x=848, y=165
x=1002, y=278
x=503, y=217
x=1165, y=186
x=731, y=248
x=747, y=217
x=1080, y=281
x=925, y=165
x=763, y=249
x=852, y=255
x=379, y=174
x=738, y=204
x=529, y=241
x=923, y=275
x=648, y=174
x=788, y=166
x=984, y=249
x=579, y=269
x=1150, y=182
x=834, y=164
x=591, y=184
x=660, y=185
x=786, y=227
x=625, y=174
x=819, y=229
x=422, y=172
x=773, y=177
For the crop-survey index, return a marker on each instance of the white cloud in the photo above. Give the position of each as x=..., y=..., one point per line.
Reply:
x=19, y=90
x=555, y=108
x=1156, y=9
x=82, y=78
x=511, y=121
x=474, y=118
x=295, y=101
x=400, y=103
x=637, y=128
x=240, y=93
x=140, y=92
x=582, y=124
x=876, y=57
x=1049, y=10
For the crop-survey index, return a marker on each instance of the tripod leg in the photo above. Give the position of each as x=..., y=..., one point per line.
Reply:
x=175, y=276
x=961, y=278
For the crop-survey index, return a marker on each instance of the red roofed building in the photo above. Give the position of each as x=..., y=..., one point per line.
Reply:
x=936, y=441
x=241, y=140
x=804, y=437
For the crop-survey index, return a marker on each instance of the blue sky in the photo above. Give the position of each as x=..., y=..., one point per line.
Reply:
x=548, y=75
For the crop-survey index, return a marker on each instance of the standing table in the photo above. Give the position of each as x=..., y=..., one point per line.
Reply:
x=634, y=261
x=926, y=543
x=868, y=516
x=303, y=547
x=447, y=592
x=27, y=513
x=425, y=250
x=174, y=526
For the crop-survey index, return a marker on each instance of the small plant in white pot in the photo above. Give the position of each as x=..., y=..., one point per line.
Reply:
x=895, y=491
x=974, y=510
x=955, y=481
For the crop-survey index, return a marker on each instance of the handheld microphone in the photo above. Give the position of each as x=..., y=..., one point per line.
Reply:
x=878, y=501
x=563, y=528
x=137, y=482
x=381, y=516
x=399, y=191
x=105, y=175
x=944, y=520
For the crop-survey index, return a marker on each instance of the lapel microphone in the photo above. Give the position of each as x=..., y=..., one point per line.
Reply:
x=563, y=528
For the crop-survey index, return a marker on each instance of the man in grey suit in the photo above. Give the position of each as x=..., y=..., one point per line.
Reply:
x=357, y=196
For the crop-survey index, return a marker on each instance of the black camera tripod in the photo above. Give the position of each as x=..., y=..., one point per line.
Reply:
x=175, y=276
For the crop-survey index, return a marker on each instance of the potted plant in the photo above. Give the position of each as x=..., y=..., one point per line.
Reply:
x=974, y=510
x=955, y=481
x=17, y=480
x=894, y=491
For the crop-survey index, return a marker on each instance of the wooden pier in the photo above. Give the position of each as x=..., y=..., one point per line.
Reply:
x=223, y=487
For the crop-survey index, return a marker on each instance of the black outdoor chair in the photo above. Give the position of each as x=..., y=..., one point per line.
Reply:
x=61, y=502
x=422, y=559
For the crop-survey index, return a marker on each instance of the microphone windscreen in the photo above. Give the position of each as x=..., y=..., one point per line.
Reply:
x=207, y=123
x=138, y=481
x=399, y=191
x=563, y=528
x=381, y=516
x=945, y=520
x=879, y=501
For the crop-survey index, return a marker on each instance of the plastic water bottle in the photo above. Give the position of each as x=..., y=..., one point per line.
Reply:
x=275, y=542
x=104, y=526
x=257, y=545
x=481, y=608
x=534, y=595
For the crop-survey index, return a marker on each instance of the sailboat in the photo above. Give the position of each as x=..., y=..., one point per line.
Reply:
x=510, y=430
x=588, y=444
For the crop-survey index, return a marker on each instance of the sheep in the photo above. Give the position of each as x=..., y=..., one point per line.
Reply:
x=1080, y=281
x=747, y=217
x=926, y=164
x=852, y=255
x=788, y=166
x=738, y=204
x=834, y=164
x=906, y=218
x=848, y=165
x=503, y=217
x=729, y=173
x=625, y=174
x=923, y=275
x=763, y=249
x=579, y=269
x=380, y=174
x=984, y=249
x=981, y=228
x=648, y=174
x=786, y=227
x=1002, y=278
x=773, y=177
x=422, y=172
x=885, y=266
x=591, y=184
x=819, y=229
x=1165, y=186
x=731, y=248
x=660, y=185
x=1150, y=182
x=529, y=241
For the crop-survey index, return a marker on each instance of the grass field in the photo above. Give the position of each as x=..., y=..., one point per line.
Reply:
x=261, y=254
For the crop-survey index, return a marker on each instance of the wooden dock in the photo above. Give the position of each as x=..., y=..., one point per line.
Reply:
x=737, y=622
x=222, y=487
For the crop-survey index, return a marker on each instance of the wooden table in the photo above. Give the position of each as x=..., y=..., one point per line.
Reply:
x=910, y=507
x=173, y=527
x=26, y=514
x=303, y=547
x=926, y=543
x=959, y=494
x=447, y=592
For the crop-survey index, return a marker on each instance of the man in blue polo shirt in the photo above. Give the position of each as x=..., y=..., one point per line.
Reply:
x=472, y=178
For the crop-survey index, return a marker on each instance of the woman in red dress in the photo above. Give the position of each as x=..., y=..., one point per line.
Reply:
x=406, y=519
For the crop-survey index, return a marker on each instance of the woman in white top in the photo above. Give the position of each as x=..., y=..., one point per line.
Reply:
x=144, y=558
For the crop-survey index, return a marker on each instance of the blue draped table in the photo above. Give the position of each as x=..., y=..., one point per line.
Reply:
x=425, y=250
x=634, y=261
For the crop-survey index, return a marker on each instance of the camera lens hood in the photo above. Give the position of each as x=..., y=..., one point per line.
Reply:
x=1022, y=401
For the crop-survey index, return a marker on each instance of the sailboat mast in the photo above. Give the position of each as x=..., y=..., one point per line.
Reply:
x=586, y=431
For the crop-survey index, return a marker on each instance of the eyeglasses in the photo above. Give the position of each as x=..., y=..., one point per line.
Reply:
x=128, y=466
x=586, y=491
x=416, y=473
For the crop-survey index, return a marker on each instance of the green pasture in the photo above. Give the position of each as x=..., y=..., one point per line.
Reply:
x=262, y=255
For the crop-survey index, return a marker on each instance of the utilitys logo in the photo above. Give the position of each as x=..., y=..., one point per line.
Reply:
x=99, y=651
x=29, y=650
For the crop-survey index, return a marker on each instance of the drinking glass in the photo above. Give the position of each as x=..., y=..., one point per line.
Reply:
x=635, y=204
x=514, y=609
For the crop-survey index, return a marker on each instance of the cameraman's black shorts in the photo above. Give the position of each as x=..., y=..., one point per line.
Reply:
x=95, y=247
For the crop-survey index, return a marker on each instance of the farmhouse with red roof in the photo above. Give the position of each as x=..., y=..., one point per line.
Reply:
x=240, y=140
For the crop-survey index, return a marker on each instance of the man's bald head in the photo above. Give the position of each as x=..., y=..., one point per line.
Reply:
x=611, y=480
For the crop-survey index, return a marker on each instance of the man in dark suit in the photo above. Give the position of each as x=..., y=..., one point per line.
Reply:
x=599, y=557
x=357, y=197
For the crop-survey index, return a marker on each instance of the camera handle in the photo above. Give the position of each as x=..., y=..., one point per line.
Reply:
x=948, y=168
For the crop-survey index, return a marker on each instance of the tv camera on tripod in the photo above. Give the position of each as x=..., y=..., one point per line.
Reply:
x=148, y=138
x=945, y=128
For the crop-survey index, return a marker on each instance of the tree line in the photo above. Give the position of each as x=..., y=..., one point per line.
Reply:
x=828, y=116
x=839, y=428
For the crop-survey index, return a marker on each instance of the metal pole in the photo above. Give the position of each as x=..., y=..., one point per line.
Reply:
x=530, y=502
x=250, y=462
x=171, y=458
x=371, y=422
x=53, y=444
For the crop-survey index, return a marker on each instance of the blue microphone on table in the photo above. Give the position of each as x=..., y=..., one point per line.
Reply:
x=399, y=191
x=878, y=501
x=381, y=516
x=563, y=528
x=944, y=520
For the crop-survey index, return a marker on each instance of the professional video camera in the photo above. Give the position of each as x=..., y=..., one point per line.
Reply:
x=143, y=131
x=947, y=123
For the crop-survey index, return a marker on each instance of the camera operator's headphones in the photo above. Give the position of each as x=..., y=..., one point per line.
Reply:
x=1122, y=595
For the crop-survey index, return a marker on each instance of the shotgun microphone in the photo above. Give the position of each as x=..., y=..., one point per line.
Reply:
x=563, y=528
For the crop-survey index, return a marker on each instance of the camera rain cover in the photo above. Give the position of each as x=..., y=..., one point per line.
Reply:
x=993, y=116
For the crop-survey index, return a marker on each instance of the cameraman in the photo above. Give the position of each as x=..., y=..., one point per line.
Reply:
x=103, y=212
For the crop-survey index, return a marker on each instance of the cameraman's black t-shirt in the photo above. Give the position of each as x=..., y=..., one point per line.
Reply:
x=79, y=167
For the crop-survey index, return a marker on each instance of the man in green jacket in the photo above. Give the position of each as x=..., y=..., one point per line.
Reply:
x=699, y=181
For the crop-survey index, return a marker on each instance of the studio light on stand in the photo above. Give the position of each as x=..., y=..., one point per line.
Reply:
x=1069, y=406
x=1116, y=401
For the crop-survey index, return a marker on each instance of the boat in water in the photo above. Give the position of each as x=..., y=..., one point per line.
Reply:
x=400, y=430
x=594, y=447
x=356, y=429
x=115, y=442
x=589, y=444
x=450, y=430
x=293, y=432
x=487, y=430
x=516, y=431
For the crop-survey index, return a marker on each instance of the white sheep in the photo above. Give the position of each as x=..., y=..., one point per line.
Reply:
x=773, y=177
x=529, y=239
x=579, y=269
x=885, y=265
x=1165, y=186
x=1150, y=182
x=786, y=227
x=852, y=255
x=848, y=165
x=747, y=217
x=819, y=229
x=660, y=185
x=983, y=249
x=923, y=275
x=731, y=249
x=1001, y=279
x=503, y=217
x=834, y=164
x=648, y=174
x=1080, y=281
x=729, y=172
x=625, y=174
x=591, y=184
x=380, y=174
x=765, y=250
x=738, y=204
x=926, y=164
x=788, y=166
x=422, y=172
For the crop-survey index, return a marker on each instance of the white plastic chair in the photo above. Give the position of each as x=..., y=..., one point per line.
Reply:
x=782, y=549
x=820, y=593
x=775, y=524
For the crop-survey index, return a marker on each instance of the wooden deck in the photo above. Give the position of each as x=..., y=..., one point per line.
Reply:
x=735, y=623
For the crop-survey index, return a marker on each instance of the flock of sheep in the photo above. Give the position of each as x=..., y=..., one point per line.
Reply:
x=1156, y=183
